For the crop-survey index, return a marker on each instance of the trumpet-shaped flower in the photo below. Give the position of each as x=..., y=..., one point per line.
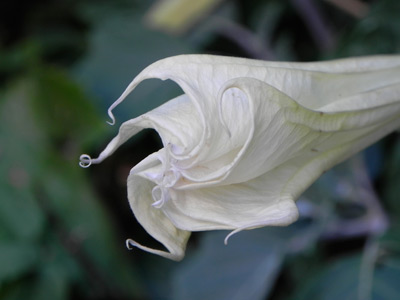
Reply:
x=247, y=137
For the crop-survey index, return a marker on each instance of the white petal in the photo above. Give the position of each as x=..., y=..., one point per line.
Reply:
x=248, y=137
x=170, y=120
x=312, y=85
x=284, y=129
x=251, y=204
x=154, y=220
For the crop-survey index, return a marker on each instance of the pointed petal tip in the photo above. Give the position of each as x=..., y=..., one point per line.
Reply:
x=289, y=215
x=111, y=115
x=130, y=244
x=230, y=234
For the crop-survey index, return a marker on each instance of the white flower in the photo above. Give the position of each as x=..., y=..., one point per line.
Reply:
x=247, y=137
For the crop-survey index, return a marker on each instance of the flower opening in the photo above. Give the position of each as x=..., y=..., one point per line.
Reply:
x=247, y=137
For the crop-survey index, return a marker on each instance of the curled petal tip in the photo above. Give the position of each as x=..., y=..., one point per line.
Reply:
x=230, y=234
x=226, y=239
x=129, y=243
x=85, y=161
x=111, y=115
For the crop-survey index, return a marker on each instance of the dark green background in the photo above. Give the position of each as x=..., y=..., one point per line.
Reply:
x=63, y=228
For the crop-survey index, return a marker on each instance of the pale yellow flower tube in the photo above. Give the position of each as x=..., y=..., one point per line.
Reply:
x=247, y=137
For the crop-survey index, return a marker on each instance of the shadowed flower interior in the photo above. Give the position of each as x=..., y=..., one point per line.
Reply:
x=247, y=137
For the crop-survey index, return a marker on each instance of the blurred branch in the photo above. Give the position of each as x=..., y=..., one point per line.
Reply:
x=316, y=24
x=374, y=221
x=356, y=8
x=368, y=261
x=178, y=16
x=244, y=38
x=100, y=286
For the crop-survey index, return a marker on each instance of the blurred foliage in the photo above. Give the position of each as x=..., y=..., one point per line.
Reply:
x=62, y=228
x=177, y=16
x=54, y=231
x=340, y=279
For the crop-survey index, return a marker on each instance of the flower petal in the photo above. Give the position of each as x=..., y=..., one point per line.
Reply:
x=154, y=221
x=248, y=137
x=281, y=129
x=313, y=85
x=269, y=198
x=169, y=120
x=246, y=205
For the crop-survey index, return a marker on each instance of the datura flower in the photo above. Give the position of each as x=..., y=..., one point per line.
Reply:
x=247, y=137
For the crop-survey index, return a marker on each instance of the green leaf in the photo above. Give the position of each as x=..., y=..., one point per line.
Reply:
x=72, y=203
x=22, y=138
x=377, y=33
x=246, y=268
x=42, y=184
x=62, y=109
x=341, y=280
x=338, y=281
x=20, y=154
x=390, y=182
x=116, y=56
x=20, y=215
x=16, y=259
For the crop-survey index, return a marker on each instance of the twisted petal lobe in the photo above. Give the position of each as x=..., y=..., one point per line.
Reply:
x=247, y=137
